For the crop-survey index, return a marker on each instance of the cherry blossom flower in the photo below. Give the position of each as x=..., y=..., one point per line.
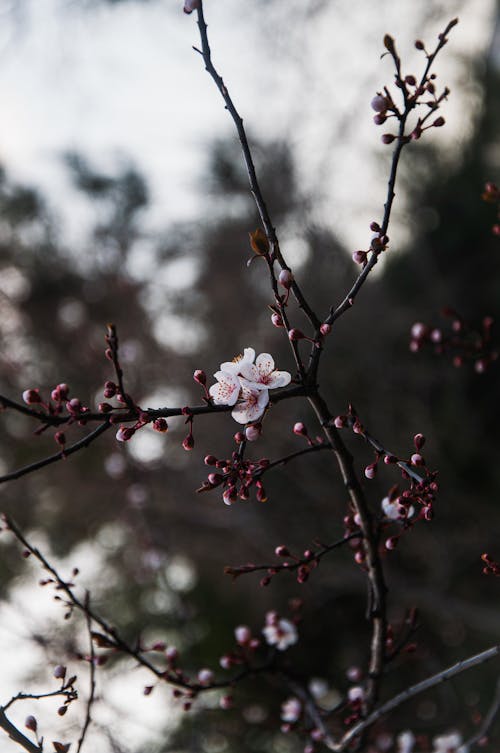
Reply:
x=227, y=389
x=251, y=406
x=291, y=710
x=262, y=375
x=279, y=632
x=450, y=743
x=405, y=742
x=239, y=362
x=393, y=510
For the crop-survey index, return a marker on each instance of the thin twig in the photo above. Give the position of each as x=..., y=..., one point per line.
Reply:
x=85, y=442
x=16, y=735
x=420, y=687
x=91, y=697
x=252, y=174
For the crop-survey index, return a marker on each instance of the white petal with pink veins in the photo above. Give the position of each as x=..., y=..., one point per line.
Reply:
x=227, y=389
x=265, y=364
x=251, y=407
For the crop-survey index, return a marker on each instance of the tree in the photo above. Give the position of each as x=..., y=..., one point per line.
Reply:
x=293, y=647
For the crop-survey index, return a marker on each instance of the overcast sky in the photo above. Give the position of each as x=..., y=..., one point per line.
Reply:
x=121, y=80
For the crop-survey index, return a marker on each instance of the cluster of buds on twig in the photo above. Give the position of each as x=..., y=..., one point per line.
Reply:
x=463, y=342
x=378, y=243
x=415, y=92
x=236, y=476
x=491, y=194
x=491, y=566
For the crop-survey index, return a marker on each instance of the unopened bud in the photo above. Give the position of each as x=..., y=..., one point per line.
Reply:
x=30, y=723
x=325, y=329
x=295, y=334
x=125, y=433
x=277, y=320
x=388, y=138
x=188, y=442
x=60, y=437
x=205, y=677
x=359, y=257
x=379, y=103
x=30, y=397
x=253, y=432
x=243, y=634
x=300, y=429
x=160, y=424
x=200, y=377
x=60, y=672
x=191, y=5
x=285, y=278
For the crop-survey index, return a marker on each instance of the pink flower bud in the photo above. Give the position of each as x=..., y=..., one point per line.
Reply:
x=417, y=459
x=371, y=471
x=295, y=334
x=30, y=723
x=285, y=278
x=160, y=424
x=225, y=662
x=125, y=433
x=109, y=389
x=226, y=702
x=439, y=122
x=325, y=329
x=60, y=392
x=205, y=677
x=340, y=422
x=243, y=634
x=200, y=377
x=480, y=365
x=60, y=437
x=30, y=397
x=355, y=694
x=148, y=690
x=379, y=103
x=282, y=551
x=391, y=543
x=253, y=432
x=436, y=335
x=229, y=495
x=191, y=5
x=418, y=330
x=105, y=407
x=188, y=442
x=210, y=460
x=73, y=406
x=388, y=138
x=60, y=672
x=171, y=653
x=277, y=320
x=359, y=257
x=419, y=441
x=300, y=429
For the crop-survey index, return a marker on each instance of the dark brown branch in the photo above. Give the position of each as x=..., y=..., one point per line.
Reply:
x=377, y=605
x=405, y=695
x=129, y=416
x=252, y=174
x=85, y=442
x=16, y=735
x=292, y=563
x=90, y=699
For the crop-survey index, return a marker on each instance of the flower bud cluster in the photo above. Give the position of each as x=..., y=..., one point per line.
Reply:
x=236, y=476
x=421, y=93
x=461, y=341
x=491, y=194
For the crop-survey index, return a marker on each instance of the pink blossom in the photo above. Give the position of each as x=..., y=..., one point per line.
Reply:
x=280, y=633
x=251, y=406
x=291, y=710
x=262, y=375
x=227, y=389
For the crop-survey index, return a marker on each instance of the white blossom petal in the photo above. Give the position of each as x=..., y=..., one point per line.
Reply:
x=227, y=389
x=251, y=406
x=279, y=379
x=265, y=364
x=239, y=362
